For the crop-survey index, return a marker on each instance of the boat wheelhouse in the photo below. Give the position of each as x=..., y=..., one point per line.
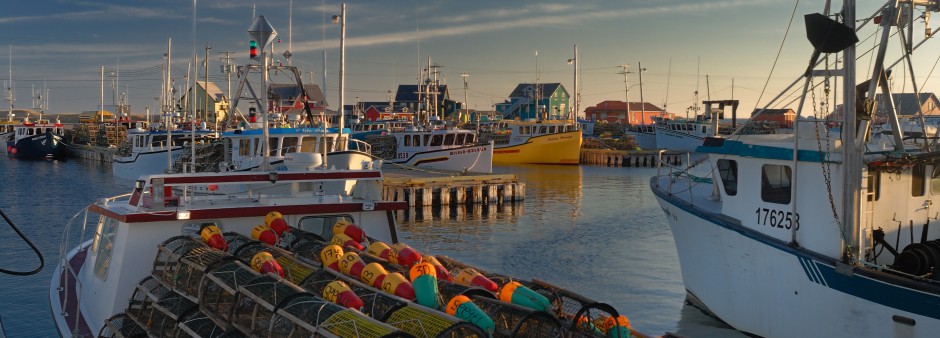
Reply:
x=446, y=149
x=537, y=142
x=152, y=151
x=243, y=148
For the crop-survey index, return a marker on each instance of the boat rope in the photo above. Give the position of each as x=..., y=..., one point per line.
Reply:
x=826, y=165
x=42, y=261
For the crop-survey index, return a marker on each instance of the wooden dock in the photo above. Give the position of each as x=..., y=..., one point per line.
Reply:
x=420, y=187
x=629, y=158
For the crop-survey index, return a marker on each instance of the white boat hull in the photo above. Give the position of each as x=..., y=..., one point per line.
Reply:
x=143, y=163
x=475, y=158
x=643, y=140
x=677, y=140
x=761, y=286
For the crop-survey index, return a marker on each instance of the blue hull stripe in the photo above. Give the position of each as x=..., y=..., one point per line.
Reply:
x=885, y=289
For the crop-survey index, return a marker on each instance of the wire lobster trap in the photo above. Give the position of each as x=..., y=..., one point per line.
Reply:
x=157, y=308
x=140, y=305
x=121, y=326
x=257, y=300
x=409, y=317
x=516, y=321
x=166, y=263
x=305, y=315
x=218, y=293
x=294, y=270
x=197, y=324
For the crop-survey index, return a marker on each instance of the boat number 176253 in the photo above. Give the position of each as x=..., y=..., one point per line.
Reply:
x=778, y=218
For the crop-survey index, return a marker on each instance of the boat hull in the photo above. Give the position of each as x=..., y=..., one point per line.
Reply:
x=765, y=287
x=143, y=163
x=560, y=148
x=472, y=158
x=643, y=140
x=38, y=147
x=676, y=140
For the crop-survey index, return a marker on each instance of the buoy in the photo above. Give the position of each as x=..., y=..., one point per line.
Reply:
x=346, y=241
x=263, y=262
x=373, y=274
x=424, y=280
x=271, y=216
x=470, y=277
x=344, y=227
x=340, y=293
x=278, y=224
x=396, y=284
x=404, y=255
x=442, y=273
x=516, y=293
x=379, y=249
x=586, y=324
x=461, y=307
x=351, y=264
x=330, y=255
x=617, y=327
x=264, y=234
x=212, y=236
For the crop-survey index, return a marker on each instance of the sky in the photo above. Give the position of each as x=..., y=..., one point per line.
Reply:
x=723, y=49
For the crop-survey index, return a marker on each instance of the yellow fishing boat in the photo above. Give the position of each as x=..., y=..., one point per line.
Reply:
x=536, y=142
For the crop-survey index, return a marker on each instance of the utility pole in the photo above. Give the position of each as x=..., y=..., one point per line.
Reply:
x=574, y=61
x=640, y=70
x=227, y=69
x=465, y=101
x=626, y=92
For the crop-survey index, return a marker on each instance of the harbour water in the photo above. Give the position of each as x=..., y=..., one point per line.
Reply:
x=595, y=230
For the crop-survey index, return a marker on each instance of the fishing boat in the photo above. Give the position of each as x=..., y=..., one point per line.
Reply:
x=825, y=232
x=443, y=148
x=297, y=253
x=243, y=150
x=537, y=142
x=6, y=133
x=644, y=134
x=364, y=129
x=40, y=140
x=149, y=151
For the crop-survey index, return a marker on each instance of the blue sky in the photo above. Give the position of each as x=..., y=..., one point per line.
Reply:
x=62, y=45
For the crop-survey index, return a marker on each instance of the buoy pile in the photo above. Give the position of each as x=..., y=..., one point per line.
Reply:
x=282, y=279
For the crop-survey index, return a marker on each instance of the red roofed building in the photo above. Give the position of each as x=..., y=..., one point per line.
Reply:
x=616, y=111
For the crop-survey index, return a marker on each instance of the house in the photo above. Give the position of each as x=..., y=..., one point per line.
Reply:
x=637, y=113
x=536, y=101
x=211, y=104
x=285, y=98
x=782, y=117
x=908, y=105
x=411, y=96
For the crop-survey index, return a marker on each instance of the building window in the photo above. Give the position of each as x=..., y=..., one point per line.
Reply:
x=728, y=170
x=775, y=184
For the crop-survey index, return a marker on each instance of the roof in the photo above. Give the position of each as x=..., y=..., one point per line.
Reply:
x=545, y=88
x=612, y=105
x=783, y=111
x=906, y=103
x=212, y=90
x=409, y=93
x=291, y=91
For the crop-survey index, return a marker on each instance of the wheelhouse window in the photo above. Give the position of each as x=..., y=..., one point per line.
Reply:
x=775, y=183
x=918, y=178
x=449, y=139
x=290, y=145
x=407, y=140
x=274, y=145
x=437, y=140
x=874, y=185
x=322, y=225
x=728, y=170
x=103, y=244
x=935, y=180
x=460, y=139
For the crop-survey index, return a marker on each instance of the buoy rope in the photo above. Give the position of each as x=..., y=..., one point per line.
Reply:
x=42, y=261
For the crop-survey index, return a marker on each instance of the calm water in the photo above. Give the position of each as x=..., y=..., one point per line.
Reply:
x=595, y=230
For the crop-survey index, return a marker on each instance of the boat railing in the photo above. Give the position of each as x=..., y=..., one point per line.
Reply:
x=66, y=267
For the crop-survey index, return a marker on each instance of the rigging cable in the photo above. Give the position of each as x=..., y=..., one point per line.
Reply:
x=42, y=261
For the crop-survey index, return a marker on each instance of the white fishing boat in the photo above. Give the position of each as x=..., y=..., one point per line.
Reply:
x=153, y=151
x=445, y=149
x=243, y=150
x=825, y=232
x=644, y=134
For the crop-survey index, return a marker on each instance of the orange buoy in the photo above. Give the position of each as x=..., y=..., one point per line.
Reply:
x=264, y=234
x=212, y=236
x=264, y=262
x=346, y=241
x=351, y=264
x=404, y=255
x=617, y=327
x=330, y=256
x=424, y=281
x=379, y=249
x=396, y=284
x=340, y=293
x=442, y=273
x=373, y=274
x=344, y=227
x=470, y=277
x=271, y=216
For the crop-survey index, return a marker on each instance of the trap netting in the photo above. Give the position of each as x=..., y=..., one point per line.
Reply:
x=121, y=326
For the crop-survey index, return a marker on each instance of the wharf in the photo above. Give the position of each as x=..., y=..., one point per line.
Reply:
x=91, y=152
x=419, y=187
x=630, y=158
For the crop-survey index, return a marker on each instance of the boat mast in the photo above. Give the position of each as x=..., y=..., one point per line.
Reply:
x=10, y=87
x=262, y=32
x=851, y=157
x=167, y=104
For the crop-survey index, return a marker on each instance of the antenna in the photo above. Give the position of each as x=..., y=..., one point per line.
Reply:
x=668, y=78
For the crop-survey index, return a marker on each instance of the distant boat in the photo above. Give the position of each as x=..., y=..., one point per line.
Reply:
x=644, y=134
x=537, y=142
x=445, y=149
x=243, y=148
x=145, y=150
x=36, y=141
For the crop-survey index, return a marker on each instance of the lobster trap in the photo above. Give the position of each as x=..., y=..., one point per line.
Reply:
x=121, y=326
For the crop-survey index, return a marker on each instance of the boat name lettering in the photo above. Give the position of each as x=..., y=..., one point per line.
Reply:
x=403, y=155
x=468, y=151
x=778, y=218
